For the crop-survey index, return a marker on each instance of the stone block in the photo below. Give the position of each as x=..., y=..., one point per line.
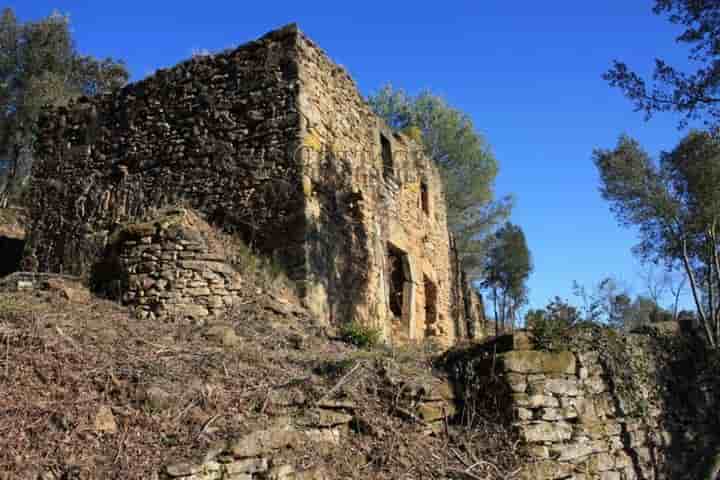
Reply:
x=546, y=470
x=250, y=465
x=545, y=432
x=262, y=442
x=538, y=362
x=323, y=418
x=561, y=387
x=570, y=452
x=517, y=382
x=535, y=401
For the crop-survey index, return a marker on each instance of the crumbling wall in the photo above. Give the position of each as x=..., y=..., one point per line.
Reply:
x=361, y=203
x=216, y=132
x=640, y=406
x=166, y=267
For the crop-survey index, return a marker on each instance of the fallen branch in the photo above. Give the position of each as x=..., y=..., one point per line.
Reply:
x=340, y=383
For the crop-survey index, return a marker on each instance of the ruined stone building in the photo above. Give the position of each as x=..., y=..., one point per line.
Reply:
x=271, y=141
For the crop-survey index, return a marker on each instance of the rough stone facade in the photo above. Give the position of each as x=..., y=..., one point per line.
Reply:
x=651, y=416
x=271, y=141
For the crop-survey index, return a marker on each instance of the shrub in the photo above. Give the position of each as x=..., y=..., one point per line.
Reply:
x=359, y=335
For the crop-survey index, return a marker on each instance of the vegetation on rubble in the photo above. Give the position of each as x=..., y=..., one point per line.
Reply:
x=360, y=335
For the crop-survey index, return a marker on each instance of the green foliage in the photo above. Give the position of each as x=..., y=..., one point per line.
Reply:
x=359, y=335
x=675, y=204
x=507, y=267
x=551, y=326
x=466, y=163
x=694, y=94
x=39, y=66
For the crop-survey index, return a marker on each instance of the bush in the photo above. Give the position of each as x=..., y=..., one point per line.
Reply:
x=549, y=333
x=359, y=335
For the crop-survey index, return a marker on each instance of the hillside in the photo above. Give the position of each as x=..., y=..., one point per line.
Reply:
x=92, y=392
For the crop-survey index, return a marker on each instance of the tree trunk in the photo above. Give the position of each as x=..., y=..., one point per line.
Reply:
x=698, y=303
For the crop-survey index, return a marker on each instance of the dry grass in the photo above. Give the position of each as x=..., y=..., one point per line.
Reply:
x=61, y=361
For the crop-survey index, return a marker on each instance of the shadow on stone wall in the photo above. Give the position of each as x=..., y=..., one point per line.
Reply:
x=11, y=250
x=689, y=387
x=338, y=242
x=481, y=391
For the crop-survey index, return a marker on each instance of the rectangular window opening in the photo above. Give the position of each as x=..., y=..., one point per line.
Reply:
x=397, y=278
x=431, y=294
x=387, y=156
x=425, y=198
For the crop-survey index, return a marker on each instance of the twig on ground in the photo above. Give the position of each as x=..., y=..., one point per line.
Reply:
x=340, y=383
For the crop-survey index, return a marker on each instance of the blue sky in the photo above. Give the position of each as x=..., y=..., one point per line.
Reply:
x=529, y=74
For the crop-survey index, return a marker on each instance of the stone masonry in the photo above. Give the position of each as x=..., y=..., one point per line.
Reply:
x=273, y=142
x=170, y=270
x=655, y=417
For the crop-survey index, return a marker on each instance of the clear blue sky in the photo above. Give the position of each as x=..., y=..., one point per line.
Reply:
x=529, y=74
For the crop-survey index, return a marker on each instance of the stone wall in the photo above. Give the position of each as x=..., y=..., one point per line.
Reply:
x=216, y=133
x=343, y=142
x=614, y=408
x=273, y=142
x=169, y=269
x=275, y=452
x=270, y=453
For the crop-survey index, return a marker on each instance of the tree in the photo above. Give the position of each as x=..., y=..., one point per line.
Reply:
x=39, y=65
x=695, y=94
x=465, y=160
x=675, y=204
x=507, y=267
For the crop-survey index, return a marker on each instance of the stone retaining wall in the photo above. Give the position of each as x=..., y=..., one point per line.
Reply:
x=264, y=454
x=570, y=421
x=274, y=453
x=616, y=407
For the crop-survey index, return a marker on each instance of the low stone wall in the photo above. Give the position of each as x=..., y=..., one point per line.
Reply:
x=272, y=453
x=169, y=269
x=570, y=421
x=262, y=454
x=612, y=407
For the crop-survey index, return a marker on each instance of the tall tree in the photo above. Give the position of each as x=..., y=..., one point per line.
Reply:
x=39, y=65
x=675, y=204
x=466, y=162
x=508, y=265
x=696, y=94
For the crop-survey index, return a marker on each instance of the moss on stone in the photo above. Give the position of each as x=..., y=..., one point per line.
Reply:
x=530, y=361
x=136, y=230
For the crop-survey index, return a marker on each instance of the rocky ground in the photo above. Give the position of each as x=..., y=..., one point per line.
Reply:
x=91, y=392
